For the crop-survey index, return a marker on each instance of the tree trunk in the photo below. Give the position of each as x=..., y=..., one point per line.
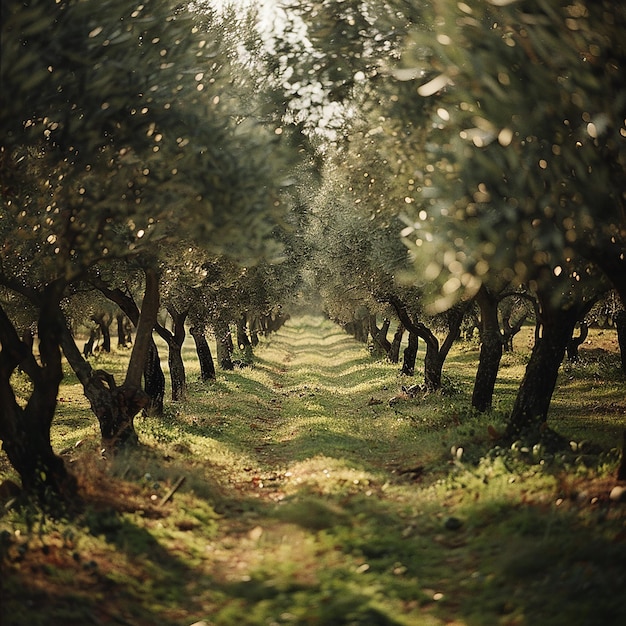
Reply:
x=455, y=320
x=530, y=411
x=409, y=356
x=178, y=376
x=435, y=356
x=224, y=343
x=394, y=353
x=255, y=327
x=506, y=309
x=243, y=341
x=509, y=332
x=88, y=347
x=620, y=322
x=145, y=324
x=175, y=342
x=103, y=323
x=205, y=358
x=116, y=406
x=382, y=346
x=490, y=350
x=123, y=331
x=25, y=430
x=360, y=324
x=154, y=379
x=574, y=343
x=433, y=364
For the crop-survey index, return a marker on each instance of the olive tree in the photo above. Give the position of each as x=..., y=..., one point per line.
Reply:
x=117, y=141
x=528, y=141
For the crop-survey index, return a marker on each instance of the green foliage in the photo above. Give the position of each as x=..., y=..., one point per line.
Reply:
x=130, y=139
x=528, y=142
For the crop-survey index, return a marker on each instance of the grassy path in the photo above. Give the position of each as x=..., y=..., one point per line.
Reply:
x=328, y=395
x=310, y=498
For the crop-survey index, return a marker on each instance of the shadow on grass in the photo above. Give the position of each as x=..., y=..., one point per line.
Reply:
x=135, y=580
x=370, y=560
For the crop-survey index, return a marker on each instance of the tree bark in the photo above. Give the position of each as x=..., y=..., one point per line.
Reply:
x=224, y=345
x=243, y=341
x=394, y=353
x=123, y=331
x=382, y=345
x=433, y=363
x=435, y=356
x=255, y=327
x=574, y=343
x=360, y=324
x=143, y=336
x=506, y=309
x=154, y=379
x=175, y=342
x=116, y=406
x=88, y=347
x=620, y=323
x=205, y=358
x=409, y=356
x=509, y=332
x=25, y=430
x=530, y=410
x=490, y=350
x=103, y=322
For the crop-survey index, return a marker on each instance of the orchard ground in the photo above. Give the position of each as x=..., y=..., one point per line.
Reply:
x=314, y=491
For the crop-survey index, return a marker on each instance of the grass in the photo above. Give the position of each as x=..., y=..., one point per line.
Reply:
x=309, y=497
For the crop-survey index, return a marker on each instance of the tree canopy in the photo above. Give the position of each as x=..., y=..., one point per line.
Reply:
x=417, y=161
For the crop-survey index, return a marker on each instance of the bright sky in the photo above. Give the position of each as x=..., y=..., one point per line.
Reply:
x=269, y=10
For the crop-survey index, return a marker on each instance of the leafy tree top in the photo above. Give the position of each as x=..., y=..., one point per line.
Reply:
x=121, y=132
x=527, y=137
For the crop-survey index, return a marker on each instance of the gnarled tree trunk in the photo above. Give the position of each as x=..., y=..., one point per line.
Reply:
x=382, y=345
x=103, y=322
x=154, y=379
x=243, y=341
x=124, y=337
x=575, y=342
x=25, y=430
x=530, y=410
x=435, y=355
x=396, y=342
x=224, y=345
x=116, y=406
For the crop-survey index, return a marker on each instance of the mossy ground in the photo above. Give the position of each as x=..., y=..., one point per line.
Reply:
x=310, y=498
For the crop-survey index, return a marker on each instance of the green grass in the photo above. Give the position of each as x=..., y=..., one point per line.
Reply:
x=310, y=498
